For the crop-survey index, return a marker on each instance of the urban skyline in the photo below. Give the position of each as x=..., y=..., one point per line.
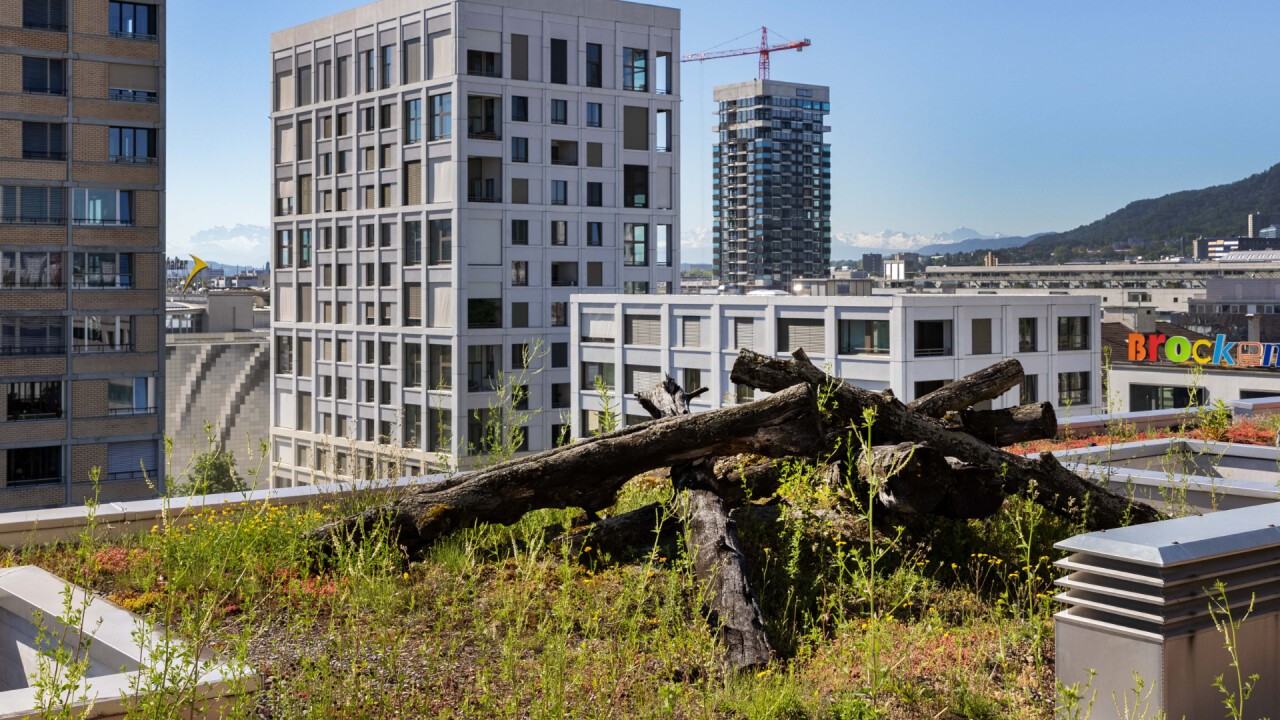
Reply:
x=980, y=115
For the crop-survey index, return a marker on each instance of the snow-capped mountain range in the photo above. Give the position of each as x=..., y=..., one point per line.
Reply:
x=695, y=243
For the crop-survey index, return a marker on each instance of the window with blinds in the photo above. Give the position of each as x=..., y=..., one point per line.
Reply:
x=304, y=357
x=305, y=302
x=808, y=334
x=368, y=197
x=641, y=377
x=44, y=141
x=32, y=205
x=305, y=195
x=413, y=303
x=368, y=159
x=413, y=182
x=411, y=56
x=643, y=330
x=385, y=192
x=326, y=201
x=598, y=327
x=744, y=333
x=44, y=76
x=691, y=332
x=306, y=139
x=388, y=156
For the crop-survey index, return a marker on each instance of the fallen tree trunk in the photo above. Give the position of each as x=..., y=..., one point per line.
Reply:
x=718, y=562
x=908, y=477
x=1043, y=478
x=1023, y=423
x=986, y=384
x=589, y=473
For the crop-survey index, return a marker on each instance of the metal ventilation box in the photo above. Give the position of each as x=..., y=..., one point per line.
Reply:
x=1138, y=602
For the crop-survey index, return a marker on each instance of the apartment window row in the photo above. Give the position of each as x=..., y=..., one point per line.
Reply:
x=39, y=335
x=936, y=337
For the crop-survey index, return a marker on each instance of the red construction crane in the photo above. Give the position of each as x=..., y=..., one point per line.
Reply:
x=763, y=51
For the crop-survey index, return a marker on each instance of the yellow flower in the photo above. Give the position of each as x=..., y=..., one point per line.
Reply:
x=586, y=549
x=406, y=576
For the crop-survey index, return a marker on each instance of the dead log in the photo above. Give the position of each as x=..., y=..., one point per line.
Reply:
x=908, y=477
x=718, y=562
x=1044, y=478
x=973, y=492
x=589, y=473
x=986, y=384
x=1023, y=423
x=620, y=535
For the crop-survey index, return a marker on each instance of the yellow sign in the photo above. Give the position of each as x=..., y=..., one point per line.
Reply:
x=195, y=270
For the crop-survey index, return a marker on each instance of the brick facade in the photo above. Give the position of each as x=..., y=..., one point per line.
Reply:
x=86, y=457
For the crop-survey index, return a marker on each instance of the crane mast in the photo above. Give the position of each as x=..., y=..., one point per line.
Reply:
x=763, y=51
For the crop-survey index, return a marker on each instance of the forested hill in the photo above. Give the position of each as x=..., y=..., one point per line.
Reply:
x=1159, y=226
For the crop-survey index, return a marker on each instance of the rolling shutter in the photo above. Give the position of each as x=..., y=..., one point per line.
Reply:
x=691, y=332
x=597, y=327
x=642, y=377
x=413, y=302
x=643, y=330
x=744, y=333
x=133, y=77
x=808, y=334
x=305, y=302
x=413, y=182
x=441, y=306
x=368, y=197
x=305, y=194
x=127, y=460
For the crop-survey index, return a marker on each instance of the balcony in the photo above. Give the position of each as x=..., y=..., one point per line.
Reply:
x=54, y=155
x=484, y=117
x=564, y=274
x=484, y=179
x=564, y=152
x=133, y=96
x=34, y=349
x=132, y=160
x=99, y=281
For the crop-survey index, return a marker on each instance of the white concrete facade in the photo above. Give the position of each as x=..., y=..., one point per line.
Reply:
x=553, y=161
x=1174, y=382
x=982, y=331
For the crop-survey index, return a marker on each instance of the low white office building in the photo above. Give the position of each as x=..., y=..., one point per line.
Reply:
x=912, y=344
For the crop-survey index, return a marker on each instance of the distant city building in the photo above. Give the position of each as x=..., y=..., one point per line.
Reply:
x=82, y=118
x=1216, y=248
x=1259, y=221
x=446, y=175
x=873, y=264
x=772, y=190
x=1270, y=232
x=911, y=344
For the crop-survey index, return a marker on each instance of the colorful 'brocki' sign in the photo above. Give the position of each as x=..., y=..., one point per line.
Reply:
x=1176, y=348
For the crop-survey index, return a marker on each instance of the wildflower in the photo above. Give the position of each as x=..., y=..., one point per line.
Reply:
x=406, y=576
x=586, y=549
x=766, y=671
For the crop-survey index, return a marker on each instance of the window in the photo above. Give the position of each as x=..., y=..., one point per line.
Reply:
x=662, y=73
x=1029, y=392
x=1164, y=397
x=595, y=66
x=341, y=82
x=370, y=71
x=559, y=232
x=743, y=393
x=595, y=194
x=440, y=366
x=520, y=273
x=744, y=333
x=559, y=61
x=806, y=333
x=593, y=370
x=33, y=465
x=484, y=312
x=520, y=359
x=441, y=116
x=864, y=336
x=102, y=270
x=441, y=232
x=559, y=314
x=411, y=57
x=413, y=182
x=34, y=401
x=132, y=20
x=344, y=128
x=413, y=242
x=559, y=354
x=519, y=108
x=45, y=15
x=1073, y=333
x=635, y=186
x=130, y=396
x=368, y=119
x=1028, y=336
x=635, y=287
x=413, y=121
x=32, y=205
x=564, y=274
x=559, y=192
x=980, y=335
x=560, y=112
x=519, y=56
x=690, y=379
x=635, y=128
x=32, y=336
x=1073, y=388
x=635, y=69
x=595, y=234
x=30, y=269
x=386, y=116
x=92, y=206
x=690, y=333
x=284, y=248
x=519, y=232
x=519, y=149
x=662, y=246
x=924, y=387
x=595, y=115
x=304, y=248
x=304, y=85
x=44, y=76
x=933, y=337
x=642, y=330
x=388, y=61
x=484, y=64
x=482, y=367
x=519, y=314
x=44, y=141
x=635, y=247
x=595, y=154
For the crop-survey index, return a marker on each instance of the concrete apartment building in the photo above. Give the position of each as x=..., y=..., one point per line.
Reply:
x=445, y=175
x=82, y=182
x=912, y=344
x=771, y=184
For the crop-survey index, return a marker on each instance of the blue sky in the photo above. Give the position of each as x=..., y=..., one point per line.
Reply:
x=1012, y=117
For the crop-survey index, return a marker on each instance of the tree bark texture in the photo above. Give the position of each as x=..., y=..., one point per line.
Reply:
x=589, y=473
x=1023, y=423
x=986, y=384
x=1043, y=478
